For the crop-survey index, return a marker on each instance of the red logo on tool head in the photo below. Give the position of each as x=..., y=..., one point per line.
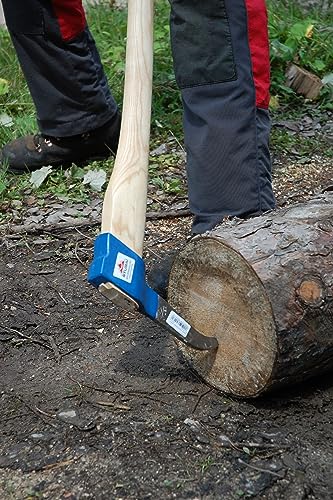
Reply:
x=121, y=266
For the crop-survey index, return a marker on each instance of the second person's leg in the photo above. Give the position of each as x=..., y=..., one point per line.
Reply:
x=221, y=60
x=64, y=73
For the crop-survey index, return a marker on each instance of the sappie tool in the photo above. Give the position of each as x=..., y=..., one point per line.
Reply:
x=117, y=269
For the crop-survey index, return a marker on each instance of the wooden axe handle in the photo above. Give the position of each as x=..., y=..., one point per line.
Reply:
x=125, y=202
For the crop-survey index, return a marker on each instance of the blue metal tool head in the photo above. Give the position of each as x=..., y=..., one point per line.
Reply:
x=116, y=264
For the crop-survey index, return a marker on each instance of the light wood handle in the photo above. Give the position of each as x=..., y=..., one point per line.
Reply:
x=125, y=202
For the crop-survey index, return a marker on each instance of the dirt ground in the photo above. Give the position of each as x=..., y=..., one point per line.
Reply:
x=96, y=403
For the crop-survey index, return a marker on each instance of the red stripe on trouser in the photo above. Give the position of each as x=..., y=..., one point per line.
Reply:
x=259, y=49
x=71, y=17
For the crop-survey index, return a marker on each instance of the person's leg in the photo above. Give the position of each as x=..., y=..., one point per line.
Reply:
x=65, y=76
x=221, y=59
x=61, y=65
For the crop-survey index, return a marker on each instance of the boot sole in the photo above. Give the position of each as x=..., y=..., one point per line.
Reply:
x=82, y=163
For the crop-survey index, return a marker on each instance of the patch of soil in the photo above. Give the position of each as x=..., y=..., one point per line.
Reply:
x=95, y=402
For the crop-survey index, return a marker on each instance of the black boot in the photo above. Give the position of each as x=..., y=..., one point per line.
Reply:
x=32, y=152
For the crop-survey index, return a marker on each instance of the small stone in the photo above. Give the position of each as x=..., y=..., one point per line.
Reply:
x=33, y=219
x=33, y=210
x=67, y=415
x=16, y=203
x=37, y=436
x=41, y=436
x=54, y=218
x=201, y=438
x=71, y=417
x=194, y=425
x=162, y=149
x=224, y=440
x=71, y=211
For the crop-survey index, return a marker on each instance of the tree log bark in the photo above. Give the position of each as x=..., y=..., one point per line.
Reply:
x=264, y=289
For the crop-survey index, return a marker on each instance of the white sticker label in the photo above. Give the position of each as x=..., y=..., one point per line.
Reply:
x=124, y=267
x=178, y=323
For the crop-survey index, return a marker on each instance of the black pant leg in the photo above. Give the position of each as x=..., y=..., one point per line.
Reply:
x=224, y=85
x=61, y=64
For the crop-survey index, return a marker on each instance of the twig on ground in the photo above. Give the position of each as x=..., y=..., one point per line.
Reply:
x=144, y=394
x=106, y=404
x=200, y=399
x=84, y=235
x=34, y=228
x=36, y=411
x=54, y=346
x=49, y=415
x=70, y=352
x=98, y=404
x=177, y=141
x=62, y=297
x=79, y=386
x=24, y=338
x=228, y=443
x=59, y=464
x=260, y=469
x=77, y=256
x=42, y=272
x=57, y=291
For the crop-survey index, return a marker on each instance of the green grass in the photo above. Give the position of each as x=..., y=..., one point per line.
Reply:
x=305, y=38
x=285, y=144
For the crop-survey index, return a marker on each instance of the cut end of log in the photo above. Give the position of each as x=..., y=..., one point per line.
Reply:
x=220, y=294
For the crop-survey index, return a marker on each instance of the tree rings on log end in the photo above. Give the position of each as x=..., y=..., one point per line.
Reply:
x=219, y=294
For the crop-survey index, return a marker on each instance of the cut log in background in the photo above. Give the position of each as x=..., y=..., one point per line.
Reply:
x=303, y=82
x=264, y=288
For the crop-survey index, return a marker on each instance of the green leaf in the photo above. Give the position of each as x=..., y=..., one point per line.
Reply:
x=77, y=173
x=4, y=86
x=328, y=79
x=292, y=44
x=299, y=30
x=6, y=120
x=174, y=186
x=281, y=51
x=318, y=65
x=38, y=176
x=95, y=178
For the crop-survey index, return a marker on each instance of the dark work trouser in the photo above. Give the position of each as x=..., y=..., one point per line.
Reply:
x=221, y=60
x=220, y=51
x=61, y=64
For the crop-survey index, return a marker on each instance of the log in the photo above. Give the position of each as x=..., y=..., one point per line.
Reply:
x=303, y=82
x=264, y=288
